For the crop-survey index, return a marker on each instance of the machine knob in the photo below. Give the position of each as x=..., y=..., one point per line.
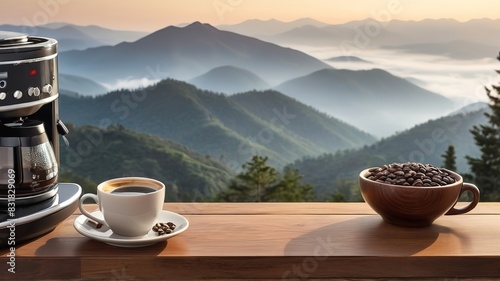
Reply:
x=18, y=94
x=3, y=95
x=47, y=89
x=34, y=91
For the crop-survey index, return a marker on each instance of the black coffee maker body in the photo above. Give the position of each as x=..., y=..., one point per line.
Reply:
x=29, y=118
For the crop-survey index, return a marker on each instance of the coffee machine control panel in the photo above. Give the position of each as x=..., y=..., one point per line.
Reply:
x=27, y=83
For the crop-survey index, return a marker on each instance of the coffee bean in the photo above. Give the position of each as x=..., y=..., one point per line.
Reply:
x=415, y=174
x=400, y=181
x=164, y=228
x=418, y=182
x=448, y=179
x=399, y=173
x=392, y=169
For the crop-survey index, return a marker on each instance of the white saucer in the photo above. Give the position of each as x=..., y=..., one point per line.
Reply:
x=104, y=234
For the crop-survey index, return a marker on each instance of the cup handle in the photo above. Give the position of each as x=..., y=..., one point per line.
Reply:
x=85, y=212
x=475, y=193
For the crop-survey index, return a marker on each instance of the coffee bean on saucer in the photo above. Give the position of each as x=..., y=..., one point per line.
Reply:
x=164, y=228
x=96, y=225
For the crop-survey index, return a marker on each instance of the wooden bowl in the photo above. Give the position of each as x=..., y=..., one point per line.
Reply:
x=413, y=206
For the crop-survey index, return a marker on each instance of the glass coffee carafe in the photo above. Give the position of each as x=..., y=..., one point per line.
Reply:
x=28, y=166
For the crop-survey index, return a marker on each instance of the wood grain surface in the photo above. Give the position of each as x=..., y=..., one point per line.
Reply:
x=275, y=241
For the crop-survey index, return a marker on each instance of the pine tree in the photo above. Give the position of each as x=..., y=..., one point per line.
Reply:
x=450, y=159
x=259, y=182
x=251, y=184
x=290, y=189
x=486, y=168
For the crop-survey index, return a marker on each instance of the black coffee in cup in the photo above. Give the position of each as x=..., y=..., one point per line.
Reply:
x=131, y=186
x=126, y=190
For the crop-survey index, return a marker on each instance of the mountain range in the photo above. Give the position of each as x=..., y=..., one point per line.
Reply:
x=467, y=40
x=187, y=52
x=230, y=129
x=229, y=63
x=470, y=39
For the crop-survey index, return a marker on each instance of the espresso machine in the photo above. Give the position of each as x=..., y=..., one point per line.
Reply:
x=32, y=201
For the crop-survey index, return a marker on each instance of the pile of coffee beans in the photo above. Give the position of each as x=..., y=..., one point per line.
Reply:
x=163, y=228
x=410, y=174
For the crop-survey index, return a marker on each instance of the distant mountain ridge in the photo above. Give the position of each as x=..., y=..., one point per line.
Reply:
x=373, y=100
x=258, y=28
x=470, y=39
x=447, y=30
x=183, y=53
x=81, y=86
x=353, y=59
x=76, y=37
x=457, y=49
x=230, y=80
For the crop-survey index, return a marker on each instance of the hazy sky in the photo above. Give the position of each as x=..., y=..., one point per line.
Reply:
x=150, y=15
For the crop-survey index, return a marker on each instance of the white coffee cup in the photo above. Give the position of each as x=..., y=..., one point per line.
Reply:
x=129, y=205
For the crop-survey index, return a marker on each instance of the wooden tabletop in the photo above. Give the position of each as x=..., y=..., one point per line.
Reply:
x=275, y=241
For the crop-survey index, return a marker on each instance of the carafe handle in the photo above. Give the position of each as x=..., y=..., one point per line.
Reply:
x=18, y=164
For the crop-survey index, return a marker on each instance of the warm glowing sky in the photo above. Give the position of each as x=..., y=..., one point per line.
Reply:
x=150, y=15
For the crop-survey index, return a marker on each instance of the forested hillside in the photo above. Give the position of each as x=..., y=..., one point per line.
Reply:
x=96, y=154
